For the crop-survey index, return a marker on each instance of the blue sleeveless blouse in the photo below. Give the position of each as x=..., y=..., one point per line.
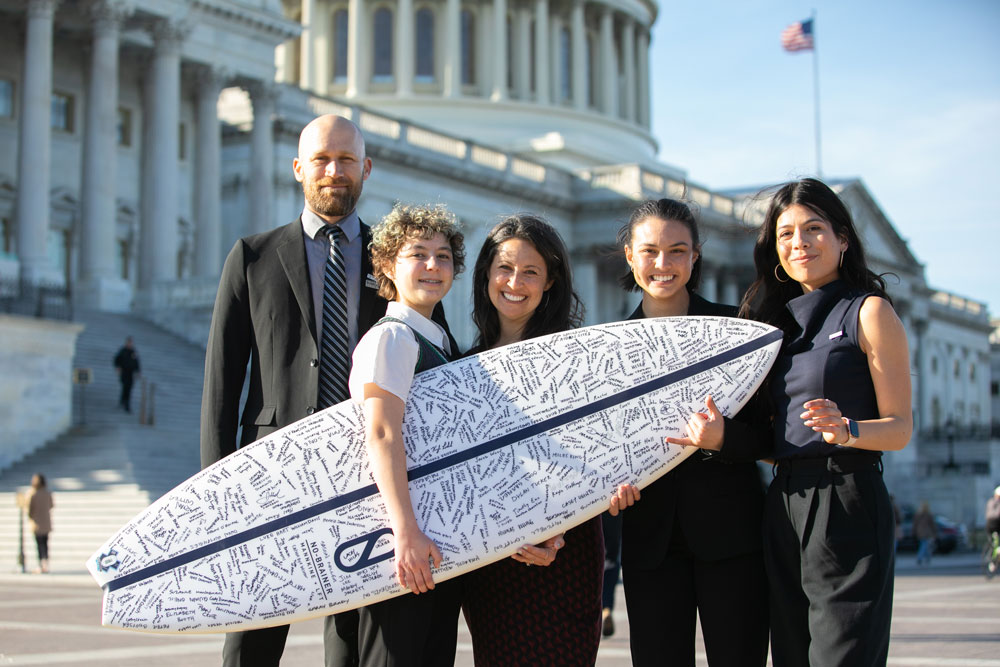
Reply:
x=821, y=358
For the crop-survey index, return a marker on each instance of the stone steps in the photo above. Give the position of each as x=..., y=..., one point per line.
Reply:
x=109, y=467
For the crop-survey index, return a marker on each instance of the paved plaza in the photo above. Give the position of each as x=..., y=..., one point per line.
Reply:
x=945, y=615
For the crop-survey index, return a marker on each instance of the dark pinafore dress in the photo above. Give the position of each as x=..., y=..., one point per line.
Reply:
x=413, y=630
x=828, y=520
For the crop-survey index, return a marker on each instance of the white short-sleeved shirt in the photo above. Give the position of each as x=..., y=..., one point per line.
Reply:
x=388, y=353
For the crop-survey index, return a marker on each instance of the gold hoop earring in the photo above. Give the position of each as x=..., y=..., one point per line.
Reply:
x=777, y=277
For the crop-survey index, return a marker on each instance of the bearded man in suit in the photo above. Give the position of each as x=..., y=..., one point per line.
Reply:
x=269, y=311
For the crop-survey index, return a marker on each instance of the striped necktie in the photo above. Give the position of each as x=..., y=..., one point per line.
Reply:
x=334, y=362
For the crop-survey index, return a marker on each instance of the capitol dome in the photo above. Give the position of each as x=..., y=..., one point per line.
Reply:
x=562, y=81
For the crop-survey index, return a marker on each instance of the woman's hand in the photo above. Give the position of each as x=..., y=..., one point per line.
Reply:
x=823, y=416
x=543, y=554
x=704, y=429
x=414, y=552
x=625, y=496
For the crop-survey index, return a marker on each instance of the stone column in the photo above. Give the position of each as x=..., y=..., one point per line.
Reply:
x=208, y=176
x=578, y=55
x=99, y=287
x=555, y=57
x=322, y=28
x=586, y=280
x=628, y=56
x=453, y=48
x=709, y=282
x=33, y=159
x=357, y=82
x=263, y=95
x=499, y=50
x=542, y=47
x=730, y=291
x=609, y=63
x=643, y=78
x=158, y=246
x=405, y=54
x=284, y=62
x=522, y=52
x=307, y=50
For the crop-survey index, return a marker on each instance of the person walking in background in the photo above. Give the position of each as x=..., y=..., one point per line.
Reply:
x=925, y=530
x=993, y=525
x=612, y=528
x=293, y=301
x=40, y=518
x=898, y=519
x=691, y=547
x=127, y=366
x=518, y=614
x=993, y=513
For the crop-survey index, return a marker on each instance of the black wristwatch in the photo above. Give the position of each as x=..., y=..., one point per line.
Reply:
x=852, y=432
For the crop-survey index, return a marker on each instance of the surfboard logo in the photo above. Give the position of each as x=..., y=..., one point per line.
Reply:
x=108, y=561
x=363, y=556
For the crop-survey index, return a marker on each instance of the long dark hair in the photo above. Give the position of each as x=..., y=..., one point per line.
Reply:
x=663, y=209
x=560, y=308
x=766, y=298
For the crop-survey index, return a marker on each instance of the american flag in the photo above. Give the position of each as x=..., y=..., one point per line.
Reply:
x=798, y=36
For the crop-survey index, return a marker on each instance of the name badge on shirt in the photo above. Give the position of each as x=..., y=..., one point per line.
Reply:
x=370, y=282
x=834, y=336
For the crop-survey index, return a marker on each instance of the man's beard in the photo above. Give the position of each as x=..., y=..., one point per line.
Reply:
x=333, y=203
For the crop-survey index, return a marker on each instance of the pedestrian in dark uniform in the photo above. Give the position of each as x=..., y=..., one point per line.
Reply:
x=840, y=395
x=127, y=365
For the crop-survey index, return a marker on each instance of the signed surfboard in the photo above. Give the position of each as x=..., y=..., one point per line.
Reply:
x=504, y=448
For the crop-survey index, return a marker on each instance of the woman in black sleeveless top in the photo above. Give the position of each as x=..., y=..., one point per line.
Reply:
x=840, y=393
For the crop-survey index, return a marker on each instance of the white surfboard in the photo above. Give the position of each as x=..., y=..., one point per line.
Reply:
x=504, y=448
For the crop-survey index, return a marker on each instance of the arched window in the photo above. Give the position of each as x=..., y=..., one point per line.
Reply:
x=468, y=48
x=531, y=52
x=340, y=45
x=510, y=54
x=382, y=47
x=565, y=65
x=591, y=58
x=425, y=45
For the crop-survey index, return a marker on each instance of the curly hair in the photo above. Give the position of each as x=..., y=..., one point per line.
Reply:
x=408, y=221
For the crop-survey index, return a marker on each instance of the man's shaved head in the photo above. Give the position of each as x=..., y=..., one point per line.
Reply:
x=323, y=129
x=332, y=166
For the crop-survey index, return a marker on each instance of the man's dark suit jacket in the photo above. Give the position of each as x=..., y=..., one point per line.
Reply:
x=718, y=504
x=264, y=314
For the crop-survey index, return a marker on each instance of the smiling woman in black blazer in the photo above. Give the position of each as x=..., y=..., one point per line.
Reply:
x=691, y=546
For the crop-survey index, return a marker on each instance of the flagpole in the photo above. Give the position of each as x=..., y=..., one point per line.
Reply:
x=815, y=53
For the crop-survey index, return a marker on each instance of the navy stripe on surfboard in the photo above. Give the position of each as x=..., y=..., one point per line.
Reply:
x=436, y=466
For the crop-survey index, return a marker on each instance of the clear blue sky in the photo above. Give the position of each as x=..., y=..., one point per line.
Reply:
x=910, y=103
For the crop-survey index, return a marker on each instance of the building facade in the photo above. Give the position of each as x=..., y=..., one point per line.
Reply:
x=139, y=139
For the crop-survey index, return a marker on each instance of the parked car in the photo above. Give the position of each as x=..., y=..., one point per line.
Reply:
x=950, y=534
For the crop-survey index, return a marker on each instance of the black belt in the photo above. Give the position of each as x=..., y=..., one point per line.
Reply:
x=835, y=463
